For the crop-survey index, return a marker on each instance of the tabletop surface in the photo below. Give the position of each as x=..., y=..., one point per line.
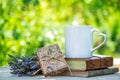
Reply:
x=6, y=75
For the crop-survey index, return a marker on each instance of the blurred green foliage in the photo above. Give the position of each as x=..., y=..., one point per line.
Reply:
x=26, y=25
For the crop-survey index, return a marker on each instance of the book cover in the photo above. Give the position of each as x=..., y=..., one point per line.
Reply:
x=95, y=62
x=91, y=73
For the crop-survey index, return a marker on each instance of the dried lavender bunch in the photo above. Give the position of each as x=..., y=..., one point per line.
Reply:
x=24, y=66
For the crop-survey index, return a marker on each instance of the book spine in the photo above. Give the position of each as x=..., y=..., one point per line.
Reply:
x=92, y=64
x=102, y=72
x=106, y=62
x=100, y=62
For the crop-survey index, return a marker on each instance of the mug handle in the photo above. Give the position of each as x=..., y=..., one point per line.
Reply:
x=100, y=34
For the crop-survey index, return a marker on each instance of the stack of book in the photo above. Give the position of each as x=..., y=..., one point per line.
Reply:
x=88, y=67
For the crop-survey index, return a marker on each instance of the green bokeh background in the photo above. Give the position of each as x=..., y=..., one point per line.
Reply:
x=26, y=25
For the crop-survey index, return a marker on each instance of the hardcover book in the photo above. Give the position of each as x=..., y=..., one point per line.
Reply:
x=93, y=63
x=91, y=73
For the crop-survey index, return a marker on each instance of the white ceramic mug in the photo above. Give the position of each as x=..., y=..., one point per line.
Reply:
x=78, y=41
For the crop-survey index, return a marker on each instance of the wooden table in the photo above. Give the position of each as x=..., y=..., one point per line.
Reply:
x=6, y=75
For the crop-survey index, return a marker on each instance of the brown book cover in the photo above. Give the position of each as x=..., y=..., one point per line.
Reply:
x=95, y=62
x=106, y=62
x=91, y=73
